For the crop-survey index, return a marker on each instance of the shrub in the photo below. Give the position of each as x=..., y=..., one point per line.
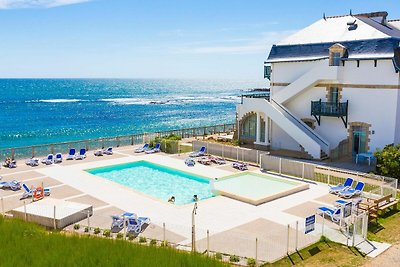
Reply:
x=107, y=233
x=153, y=242
x=97, y=230
x=120, y=235
x=218, y=256
x=77, y=226
x=251, y=262
x=142, y=239
x=388, y=161
x=86, y=230
x=234, y=258
x=131, y=237
x=164, y=244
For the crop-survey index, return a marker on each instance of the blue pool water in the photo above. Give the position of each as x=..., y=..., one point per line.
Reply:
x=157, y=181
x=43, y=111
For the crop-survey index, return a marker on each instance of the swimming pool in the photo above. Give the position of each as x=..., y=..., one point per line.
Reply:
x=256, y=188
x=157, y=181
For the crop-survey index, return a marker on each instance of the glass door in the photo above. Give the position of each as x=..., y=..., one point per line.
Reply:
x=359, y=142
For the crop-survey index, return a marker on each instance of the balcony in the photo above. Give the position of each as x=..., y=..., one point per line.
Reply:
x=264, y=95
x=330, y=109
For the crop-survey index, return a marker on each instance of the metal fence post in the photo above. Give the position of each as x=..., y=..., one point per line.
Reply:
x=237, y=154
x=2, y=207
x=164, y=239
x=287, y=244
x=223, y=151
x=54, y=218
x=297, y=234
x=329, y=176
x=323, y=224
x=88, y=221
x=256, y=258
x=280, y=166
x=208, y=243
x=25, y=211
x=302, y=171
x=33, y=152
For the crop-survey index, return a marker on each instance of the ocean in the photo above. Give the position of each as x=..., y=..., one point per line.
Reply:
x=43, y=111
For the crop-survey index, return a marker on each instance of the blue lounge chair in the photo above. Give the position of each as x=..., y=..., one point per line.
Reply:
x=58, y=158
x=28, y=192
x=199, y=153
x=142, y=149
x=118, y=220
x=14, y=185
x=334, y=214
x=48, y=160
x=155, y=149
x=341, y=187
x=82, y=154
x=135, y=225
x=108, y=151
x=71, y=154
x=353, y=192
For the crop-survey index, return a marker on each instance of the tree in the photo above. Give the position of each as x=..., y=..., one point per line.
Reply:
x=388, y=161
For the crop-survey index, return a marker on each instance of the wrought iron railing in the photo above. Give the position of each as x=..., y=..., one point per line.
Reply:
x=330, y=109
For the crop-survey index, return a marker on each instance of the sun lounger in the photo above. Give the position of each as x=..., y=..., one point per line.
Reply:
x=353, y=192
x=341, y=187
x=217, y=160
x=32, y=162
x=82, y=154
x=334, y=214
x=190, y=162
x=14, y=185
x=142, y=149
x=28, y=192
x=135, y=225
x=71, y=154
x=199, y=153
x=48, y=160
x=10, y=164
x=155, y=149
x=118, y=220
x=204, y=161
x=108, y=151
x=98, y=152
x=58, y=158
x=240, y=166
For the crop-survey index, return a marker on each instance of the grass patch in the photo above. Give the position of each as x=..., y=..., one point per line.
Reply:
x=27, y=244
x=323, y=254
x=387, y=229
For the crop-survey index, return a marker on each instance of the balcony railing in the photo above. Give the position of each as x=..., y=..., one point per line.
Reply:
x=329, y=109
x=264, y=95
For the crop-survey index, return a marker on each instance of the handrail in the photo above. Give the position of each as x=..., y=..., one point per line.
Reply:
x=160, y=133
x=305, y=127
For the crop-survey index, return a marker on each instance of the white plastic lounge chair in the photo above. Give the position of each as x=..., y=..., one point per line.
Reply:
x=341, y=187
x=71, y=154
x=135, y=224
x=118, y=220
x=10, y=164
x=353, y=192
x=240, y=166
x=155, y=149
x=98, y=153
x=334, y=214
x=204, y=161
x=14, y=185
x=58, y=158
x=190, y=162
x=217, y=160
x=28, y=192
x=48, y=160
x=32, y=162
x=199, y=153
x=82, y=154
x=142, y=149
x=108, y=151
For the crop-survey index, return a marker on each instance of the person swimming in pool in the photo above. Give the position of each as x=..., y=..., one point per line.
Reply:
x=171, y=200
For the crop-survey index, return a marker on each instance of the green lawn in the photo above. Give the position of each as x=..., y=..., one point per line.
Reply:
x=26, y=244
x=387, y=229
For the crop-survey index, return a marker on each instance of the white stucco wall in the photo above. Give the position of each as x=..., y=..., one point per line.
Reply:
x=397, y=130
x=281, y=140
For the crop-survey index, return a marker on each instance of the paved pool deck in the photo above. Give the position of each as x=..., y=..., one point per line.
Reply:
x=233, y=225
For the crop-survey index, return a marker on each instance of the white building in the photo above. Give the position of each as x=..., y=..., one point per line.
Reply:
x=335, y=89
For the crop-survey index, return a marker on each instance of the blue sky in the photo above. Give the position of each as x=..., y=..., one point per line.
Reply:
x=226, y=39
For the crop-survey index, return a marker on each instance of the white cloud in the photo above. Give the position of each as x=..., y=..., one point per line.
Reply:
x=255, y=45
x=12, y=4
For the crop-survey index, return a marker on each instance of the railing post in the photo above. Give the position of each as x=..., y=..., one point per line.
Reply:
x=302, y=172
x=87, y=145
x=256, y=258
x=88, y=221
x=164, y=239
x=208, y=243
x=54, y=218
x=287, y=243
x=280, y=166
x=12, y=153
x=33, y=151
x=297, y=234
x=25, y=216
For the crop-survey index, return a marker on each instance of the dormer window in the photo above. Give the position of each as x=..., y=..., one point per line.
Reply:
x=336, y=53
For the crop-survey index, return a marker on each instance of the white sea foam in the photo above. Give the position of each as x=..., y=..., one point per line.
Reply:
x=59, y=100
x=170, y=100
